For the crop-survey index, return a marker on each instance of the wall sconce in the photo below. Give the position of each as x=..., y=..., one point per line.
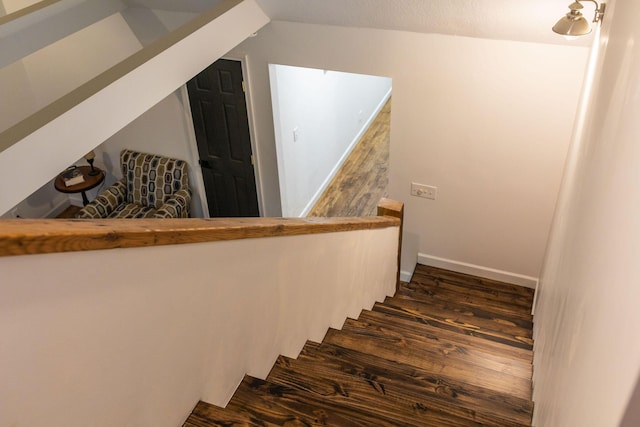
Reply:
x=573, y=24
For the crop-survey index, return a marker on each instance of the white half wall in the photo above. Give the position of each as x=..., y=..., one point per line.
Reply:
x=486, y=121
x=137, y=336
x=319, y=116
x=587, y=351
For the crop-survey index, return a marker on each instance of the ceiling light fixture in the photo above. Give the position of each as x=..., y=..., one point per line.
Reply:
x=573, y=24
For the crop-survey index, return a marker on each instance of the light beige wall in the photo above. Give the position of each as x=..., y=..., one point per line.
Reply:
x=488, y=122
x=11, y=6
x=62, y=66
x=17, y=100
x=68, y=63
x=587, y=351
x=137, y=336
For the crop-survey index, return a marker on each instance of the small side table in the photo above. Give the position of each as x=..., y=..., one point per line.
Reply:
x=89, y=183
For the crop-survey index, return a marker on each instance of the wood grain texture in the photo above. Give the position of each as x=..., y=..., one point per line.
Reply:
x=440, y=389
x=403, y=364
x=389, y=207
x=394, y=208
x=69, y=212
x=363, y=177
x=24, y=236
x=374, y=394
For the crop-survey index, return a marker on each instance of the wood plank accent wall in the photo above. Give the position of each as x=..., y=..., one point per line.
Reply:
x=26, y=236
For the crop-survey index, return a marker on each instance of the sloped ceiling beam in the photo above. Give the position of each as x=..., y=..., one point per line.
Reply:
x=21, y=37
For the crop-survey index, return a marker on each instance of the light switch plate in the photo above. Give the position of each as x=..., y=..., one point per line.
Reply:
x=425, y=191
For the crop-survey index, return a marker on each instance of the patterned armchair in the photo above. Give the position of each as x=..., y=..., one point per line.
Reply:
x=151, y=187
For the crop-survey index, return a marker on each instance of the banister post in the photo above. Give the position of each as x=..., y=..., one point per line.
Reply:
x=395, y=209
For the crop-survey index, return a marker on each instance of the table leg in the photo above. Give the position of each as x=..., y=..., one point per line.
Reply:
x=85, y=201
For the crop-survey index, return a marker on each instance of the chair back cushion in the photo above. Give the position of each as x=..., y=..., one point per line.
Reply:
x=150, y=179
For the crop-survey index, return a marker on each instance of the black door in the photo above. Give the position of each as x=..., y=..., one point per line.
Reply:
x=219, y=110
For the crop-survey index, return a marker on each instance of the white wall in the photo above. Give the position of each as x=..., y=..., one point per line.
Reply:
x=587, y=351
x=166, y=129
x=486, y=121
x=45, y=202
x=133, y=341
x=330, y=112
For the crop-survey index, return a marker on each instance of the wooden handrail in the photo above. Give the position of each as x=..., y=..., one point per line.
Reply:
x=33, y=236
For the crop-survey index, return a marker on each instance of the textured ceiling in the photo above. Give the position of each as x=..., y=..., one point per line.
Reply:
x=521, y=20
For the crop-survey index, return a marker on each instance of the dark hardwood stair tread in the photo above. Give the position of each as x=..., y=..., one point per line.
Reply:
x=283, y=405
x=427, y=293
x=502, y=299
x=451, y=389
x=507, y=348
x=488, y=285
x=206, y=415
x=372, y=397
x=457, y=325
x=398, y=349
x=460, y=315
x=495, y=297
x=451, y=346
x=402, y=402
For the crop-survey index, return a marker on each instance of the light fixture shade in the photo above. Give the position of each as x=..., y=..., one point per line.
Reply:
x=573, y=24
x=90, y=155
x=570, y=26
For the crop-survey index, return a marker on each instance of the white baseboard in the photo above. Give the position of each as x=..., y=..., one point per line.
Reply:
x=342, y=159
x=478, y=270
x=405, y=276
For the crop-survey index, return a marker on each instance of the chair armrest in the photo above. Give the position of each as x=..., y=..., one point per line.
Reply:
x=176, y=206
x=106, y=202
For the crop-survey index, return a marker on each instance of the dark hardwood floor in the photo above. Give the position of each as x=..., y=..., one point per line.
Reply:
x=363, y=178
x=69, y=212
x=447, y=350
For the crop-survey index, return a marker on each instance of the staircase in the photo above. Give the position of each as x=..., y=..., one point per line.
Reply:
x=447, y=350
